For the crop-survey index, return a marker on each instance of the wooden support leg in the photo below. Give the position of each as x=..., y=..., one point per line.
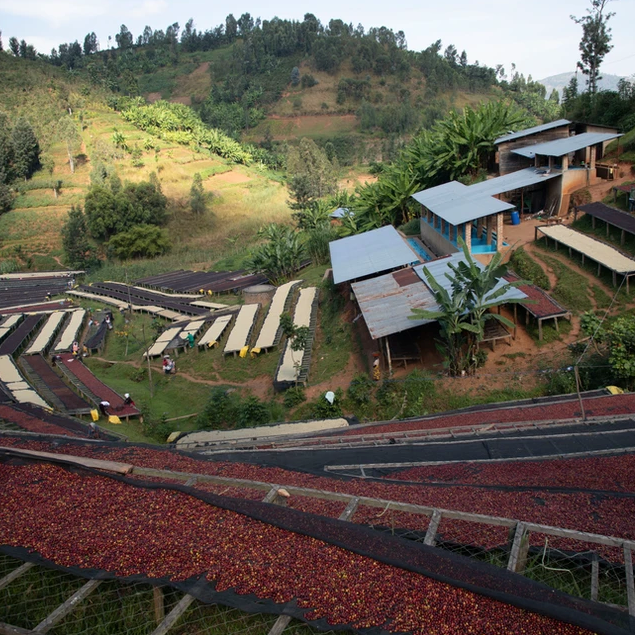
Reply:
x=614, y=278
x=622, y=238
x=431, y=534
x=520, y=547
x=159, y=607
x=539, y=329
x=595, y=577
x=555, y=321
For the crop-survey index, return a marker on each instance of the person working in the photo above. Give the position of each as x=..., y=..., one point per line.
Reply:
x=103, y=404
x=168, y=365
x=128, y=400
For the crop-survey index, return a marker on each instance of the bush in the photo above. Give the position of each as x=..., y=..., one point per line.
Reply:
x=252, y=412
x=322, y=409
x=412, y=227
x=528, y=269
x=360, y=390
x=294, y=397
x=142, y=241
x=308, y=81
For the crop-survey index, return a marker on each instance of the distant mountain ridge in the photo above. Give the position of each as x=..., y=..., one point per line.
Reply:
x=608, y=82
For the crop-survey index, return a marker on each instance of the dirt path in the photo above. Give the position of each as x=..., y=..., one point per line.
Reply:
x=259, y=386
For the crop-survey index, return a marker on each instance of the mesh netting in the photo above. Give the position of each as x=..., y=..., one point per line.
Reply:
x=385, y=547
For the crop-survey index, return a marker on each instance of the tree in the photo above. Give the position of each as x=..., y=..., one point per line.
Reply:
x=231, y=28
x=465, y=308
x=68, y=132
x=26, y=149
x=6, y=150
x=595, y=42
x=141, y=241
x=91, y=45
x=280, y=256
x=311, y=174
x=295, y=76
x=198, y=196
x=14, y=46
x=48, y=164
x=124, y=38
x=78, y=253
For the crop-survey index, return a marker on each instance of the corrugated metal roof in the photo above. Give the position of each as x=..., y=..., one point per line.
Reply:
x=457, y=203
x=371, y=252
x=534, y=130
x=441, y=194
x=441, y=268
x=340, y=212
x=512, y=181
x=560, y=147
x=387, y=306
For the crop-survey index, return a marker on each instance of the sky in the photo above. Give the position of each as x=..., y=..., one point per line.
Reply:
x=538, y=36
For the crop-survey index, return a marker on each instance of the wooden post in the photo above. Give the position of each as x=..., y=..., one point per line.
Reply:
x=351, y=508
x=174, y=615
x=595, y=577
x=15, y=574
x=64, y=609
x=540, y=329
x=593, y=222
x=622, y=238
x=159, y=607
x=520, y=547
x=389, y=359
x=431, y=534
x=281, y=623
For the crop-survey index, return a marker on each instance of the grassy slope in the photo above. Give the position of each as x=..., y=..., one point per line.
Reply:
x=244, y=198
x=319, y=114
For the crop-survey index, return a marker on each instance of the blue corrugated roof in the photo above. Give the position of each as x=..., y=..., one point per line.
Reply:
x=512, y=181
x=457, y=203
x=441, y=268
x=371, y=252
x=534, y=130
x=560, y=147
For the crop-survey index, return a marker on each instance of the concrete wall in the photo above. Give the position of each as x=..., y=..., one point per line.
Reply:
x=440, y=245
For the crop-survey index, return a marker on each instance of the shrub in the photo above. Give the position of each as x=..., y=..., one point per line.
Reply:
x=412, y=227
x=528, y=269
x=142, y=241
x=294, y=396
x=322, y=409
x=360, y=390
x=252, y=412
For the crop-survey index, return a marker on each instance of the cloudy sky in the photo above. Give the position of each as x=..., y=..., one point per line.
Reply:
x=538, y=36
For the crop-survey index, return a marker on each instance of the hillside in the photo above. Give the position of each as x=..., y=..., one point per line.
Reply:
x=561, y=80
x=244, y=198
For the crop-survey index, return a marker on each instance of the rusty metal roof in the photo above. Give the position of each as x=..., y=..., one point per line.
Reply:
x=387, y=305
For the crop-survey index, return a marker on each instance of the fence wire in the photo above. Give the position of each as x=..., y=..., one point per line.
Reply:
x=117, y=608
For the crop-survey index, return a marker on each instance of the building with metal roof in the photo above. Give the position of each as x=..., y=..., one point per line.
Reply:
x=372, y=252
x=513, y=181
x=527, y=132
x=562, y=147
x=441, y=271
x=386, y=302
